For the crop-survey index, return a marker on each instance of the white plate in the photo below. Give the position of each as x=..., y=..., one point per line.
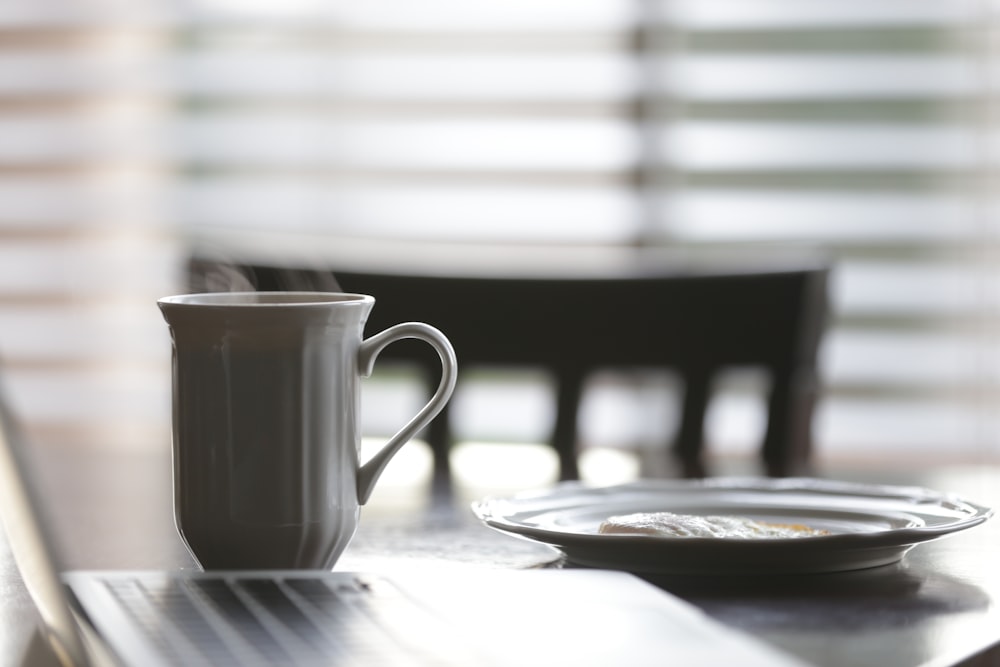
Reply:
x=869, y=525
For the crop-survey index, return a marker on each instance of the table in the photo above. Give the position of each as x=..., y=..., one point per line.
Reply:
x=940, y=606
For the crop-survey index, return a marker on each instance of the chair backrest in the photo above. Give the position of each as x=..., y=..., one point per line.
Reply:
x=693, y=322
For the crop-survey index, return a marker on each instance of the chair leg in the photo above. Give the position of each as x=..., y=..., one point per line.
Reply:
x=569, y=390
x=788, y=439
x=439, y=439
x=688, y=447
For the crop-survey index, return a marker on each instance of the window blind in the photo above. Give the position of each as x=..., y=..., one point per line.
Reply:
x=862, y=129
x=865, y=129
x=84, y=244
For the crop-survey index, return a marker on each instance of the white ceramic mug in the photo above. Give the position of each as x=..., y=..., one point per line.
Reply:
x=266, y=403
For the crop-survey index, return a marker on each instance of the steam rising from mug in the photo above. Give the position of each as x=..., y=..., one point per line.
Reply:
x=266, y=432
x=222, y=275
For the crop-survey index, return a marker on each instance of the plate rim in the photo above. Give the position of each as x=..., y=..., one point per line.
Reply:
x=966, y=514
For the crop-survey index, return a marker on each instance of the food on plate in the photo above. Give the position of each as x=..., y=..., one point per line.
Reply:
x=668, y=524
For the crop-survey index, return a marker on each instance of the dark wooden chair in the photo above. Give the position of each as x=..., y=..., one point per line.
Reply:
x=693, y=322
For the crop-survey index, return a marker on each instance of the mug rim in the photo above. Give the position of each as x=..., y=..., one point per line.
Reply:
x=271, y=299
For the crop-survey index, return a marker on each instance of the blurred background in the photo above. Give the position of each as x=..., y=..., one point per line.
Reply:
x=134, y=131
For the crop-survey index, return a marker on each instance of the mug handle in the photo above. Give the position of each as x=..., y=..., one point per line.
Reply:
x=370, y=348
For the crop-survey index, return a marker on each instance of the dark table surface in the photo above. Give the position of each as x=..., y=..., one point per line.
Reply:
x=940, y=606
